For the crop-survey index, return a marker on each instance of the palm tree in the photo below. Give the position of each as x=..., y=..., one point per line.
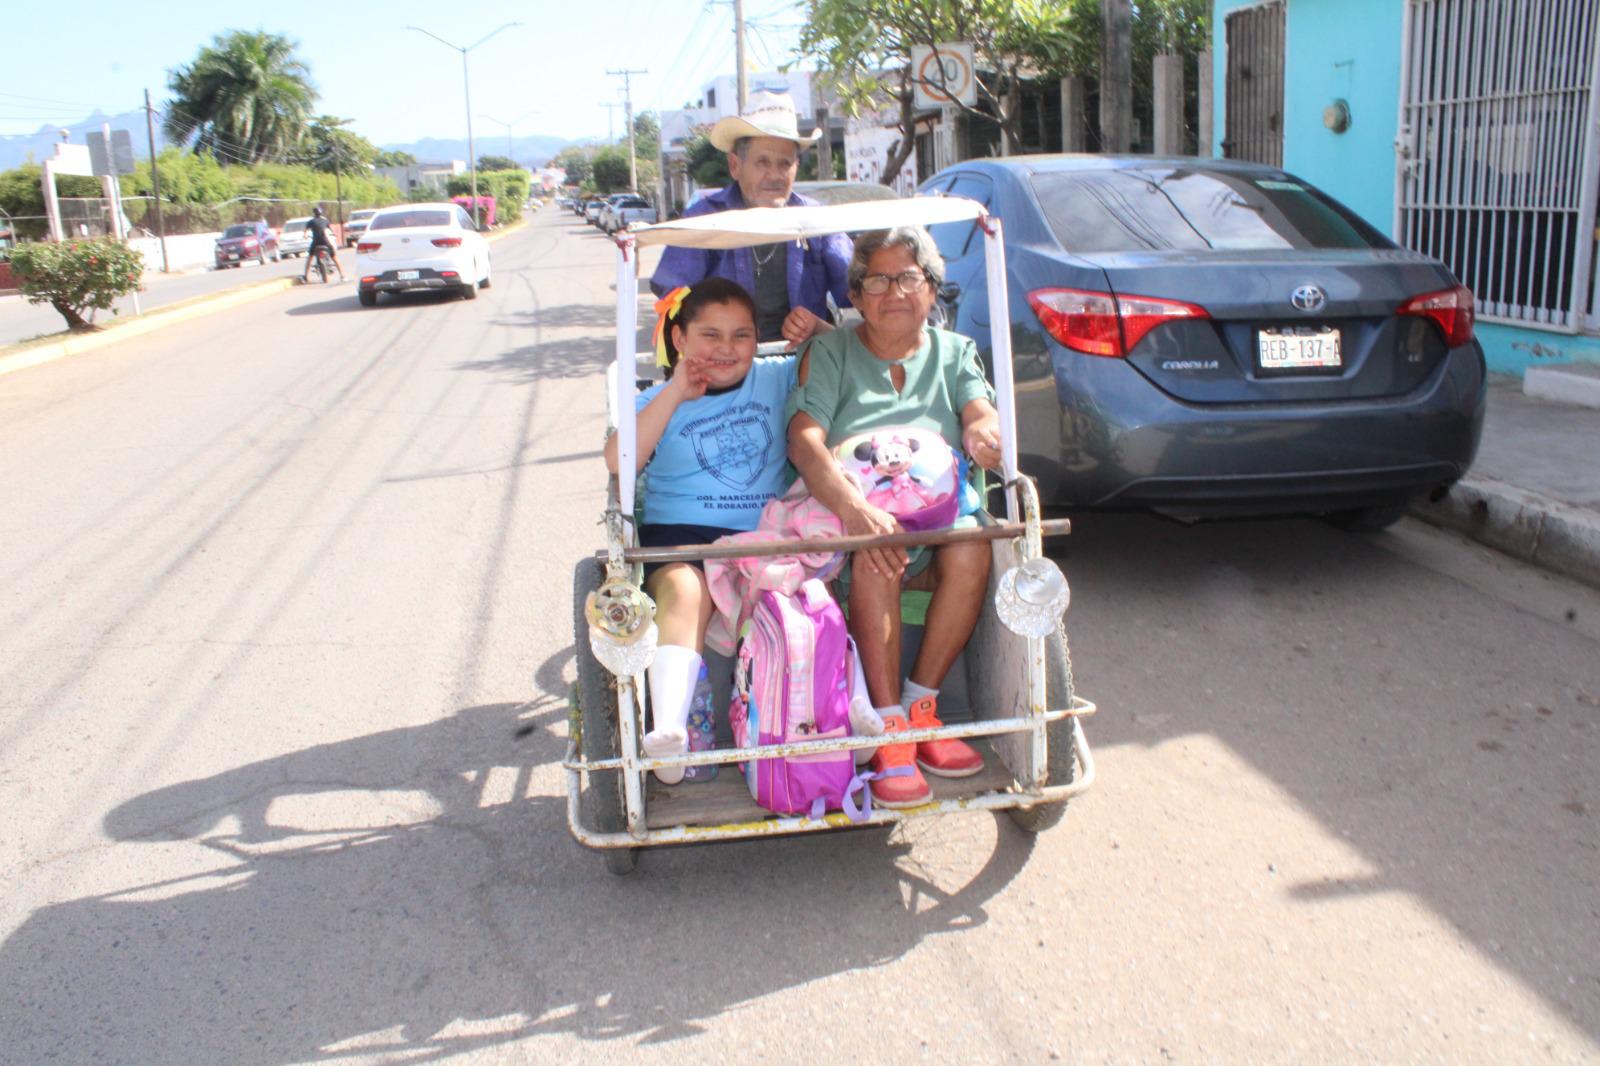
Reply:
x=245, y=98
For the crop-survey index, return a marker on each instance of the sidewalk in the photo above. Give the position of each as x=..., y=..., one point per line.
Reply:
x=1534, y=491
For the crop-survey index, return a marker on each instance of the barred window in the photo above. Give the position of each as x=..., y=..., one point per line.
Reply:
x=1499, y=158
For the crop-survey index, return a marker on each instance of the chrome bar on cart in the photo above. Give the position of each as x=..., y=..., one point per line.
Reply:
x=989, y=727
x=1055, y=527
x=781, y=825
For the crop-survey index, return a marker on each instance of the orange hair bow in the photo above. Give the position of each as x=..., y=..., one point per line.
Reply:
x=667, y=308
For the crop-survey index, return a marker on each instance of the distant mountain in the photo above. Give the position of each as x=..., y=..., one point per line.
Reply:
x=16, y=148
x=529, y=151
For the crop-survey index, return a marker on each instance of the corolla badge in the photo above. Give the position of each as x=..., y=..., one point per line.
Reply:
x=1308, y=298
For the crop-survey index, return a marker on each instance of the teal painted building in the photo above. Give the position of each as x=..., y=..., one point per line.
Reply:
x=1421, y=116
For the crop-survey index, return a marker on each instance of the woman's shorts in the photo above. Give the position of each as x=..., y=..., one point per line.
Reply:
x=670, y=535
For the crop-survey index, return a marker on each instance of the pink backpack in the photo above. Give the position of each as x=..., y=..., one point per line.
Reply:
x=792, y=683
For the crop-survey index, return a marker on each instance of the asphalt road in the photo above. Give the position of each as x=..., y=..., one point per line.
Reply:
x=286, y=651
x=20, y=320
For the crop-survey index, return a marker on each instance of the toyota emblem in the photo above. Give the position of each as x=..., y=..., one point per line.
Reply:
x=1308, y=298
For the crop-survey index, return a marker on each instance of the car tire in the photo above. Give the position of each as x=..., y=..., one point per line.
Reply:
x=1063, y=766
x=469, y=291
x=368, y=299
x=1366, y=519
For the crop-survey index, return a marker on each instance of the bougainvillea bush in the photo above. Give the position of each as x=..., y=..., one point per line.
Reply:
x=77, y=277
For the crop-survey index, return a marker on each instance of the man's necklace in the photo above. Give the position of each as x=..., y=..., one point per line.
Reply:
x=762, y=260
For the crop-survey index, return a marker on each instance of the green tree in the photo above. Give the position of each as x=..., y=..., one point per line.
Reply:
x=77, y=276
x=706, y=163
x=245, y=98
x=497, y=162
x=609, y=168
x=394, y=159
x=865, y=46
x=575, y=161
x=647, y=135
x=332, y=148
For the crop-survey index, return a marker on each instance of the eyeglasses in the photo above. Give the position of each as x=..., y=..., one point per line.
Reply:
x=907, y=282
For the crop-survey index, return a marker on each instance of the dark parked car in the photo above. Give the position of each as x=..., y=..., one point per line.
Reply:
x=246, y=241
x=1210, y=337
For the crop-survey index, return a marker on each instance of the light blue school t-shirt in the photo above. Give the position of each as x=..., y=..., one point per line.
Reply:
x=722, y=457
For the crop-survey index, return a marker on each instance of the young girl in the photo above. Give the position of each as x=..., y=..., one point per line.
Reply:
x=711, y=441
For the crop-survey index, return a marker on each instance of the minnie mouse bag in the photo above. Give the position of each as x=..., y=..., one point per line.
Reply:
x=910, y=473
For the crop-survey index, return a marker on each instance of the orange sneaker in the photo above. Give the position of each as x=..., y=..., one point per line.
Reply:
x=942, y=758
x=904, y=789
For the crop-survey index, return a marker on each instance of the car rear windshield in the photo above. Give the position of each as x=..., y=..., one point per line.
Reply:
x=407, y=219
x=238, y=231
x=294, y=227
x=1176, y=208
x=634, y=202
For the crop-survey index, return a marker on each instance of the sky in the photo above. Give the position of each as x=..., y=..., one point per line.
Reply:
x=547, y=76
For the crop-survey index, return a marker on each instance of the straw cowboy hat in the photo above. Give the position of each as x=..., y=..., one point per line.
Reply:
x=766, y=115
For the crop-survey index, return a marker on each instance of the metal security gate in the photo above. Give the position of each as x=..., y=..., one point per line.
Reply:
x=1255, y=85
x=1498, y=154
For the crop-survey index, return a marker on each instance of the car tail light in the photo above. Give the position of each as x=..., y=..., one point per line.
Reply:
x=1450, y=309
x=369, y=277
x=447, y=242
x=448, y=274
x=368, y=247
x=1098, y=323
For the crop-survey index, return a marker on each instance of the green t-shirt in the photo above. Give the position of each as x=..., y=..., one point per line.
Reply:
x=848, y=390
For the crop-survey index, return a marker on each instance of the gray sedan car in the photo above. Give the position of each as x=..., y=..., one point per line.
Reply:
x=1207, y=337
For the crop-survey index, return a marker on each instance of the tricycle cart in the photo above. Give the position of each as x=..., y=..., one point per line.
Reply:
x=1014, y=697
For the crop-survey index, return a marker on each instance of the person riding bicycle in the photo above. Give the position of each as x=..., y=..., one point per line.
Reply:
x=319, y=227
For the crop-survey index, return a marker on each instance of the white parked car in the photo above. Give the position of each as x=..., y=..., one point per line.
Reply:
x=626, y=211
x=356, y=224
x=421, y=248
x=295, y=238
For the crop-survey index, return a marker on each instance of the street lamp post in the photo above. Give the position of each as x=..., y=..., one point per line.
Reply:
x=510, y=153
x=466, y=84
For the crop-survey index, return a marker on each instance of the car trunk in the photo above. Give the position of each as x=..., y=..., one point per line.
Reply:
x=1256, y=346
x=409, y=244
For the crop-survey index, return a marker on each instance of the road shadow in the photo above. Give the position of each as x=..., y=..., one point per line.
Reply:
x=1361, y=683
x=564, y=316
x=386, y=895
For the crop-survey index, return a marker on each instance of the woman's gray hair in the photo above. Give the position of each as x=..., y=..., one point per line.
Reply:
x=915, y=238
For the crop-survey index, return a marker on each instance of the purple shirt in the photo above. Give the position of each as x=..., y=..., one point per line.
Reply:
x=817, y=268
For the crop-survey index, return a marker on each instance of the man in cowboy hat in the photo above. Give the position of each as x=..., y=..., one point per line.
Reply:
x=790, y=281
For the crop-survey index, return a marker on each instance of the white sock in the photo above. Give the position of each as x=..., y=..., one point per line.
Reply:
x=911, y=692
x=672, y=677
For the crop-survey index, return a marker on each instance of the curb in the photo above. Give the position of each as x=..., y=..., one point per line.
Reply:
x=1523, y=524
x=506, y=231
x=33, y=353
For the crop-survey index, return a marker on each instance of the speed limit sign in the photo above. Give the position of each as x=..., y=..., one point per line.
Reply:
x=943, y=74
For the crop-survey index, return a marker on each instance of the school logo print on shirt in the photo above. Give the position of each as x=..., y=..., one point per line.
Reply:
x=733, y=447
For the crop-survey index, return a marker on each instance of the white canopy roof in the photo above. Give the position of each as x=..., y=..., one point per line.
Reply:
x=769, y=225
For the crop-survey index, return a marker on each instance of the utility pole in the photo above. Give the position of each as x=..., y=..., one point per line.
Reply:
x=155, y=179
x=1116, y=77
x=611, y=119
x=738, y=54
x=627, y=114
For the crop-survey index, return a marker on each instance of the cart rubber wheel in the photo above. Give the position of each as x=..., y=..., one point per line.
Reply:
x=601, y=805
x=1063, y=760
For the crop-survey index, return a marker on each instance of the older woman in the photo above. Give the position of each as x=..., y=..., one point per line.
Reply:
x=895, y=370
